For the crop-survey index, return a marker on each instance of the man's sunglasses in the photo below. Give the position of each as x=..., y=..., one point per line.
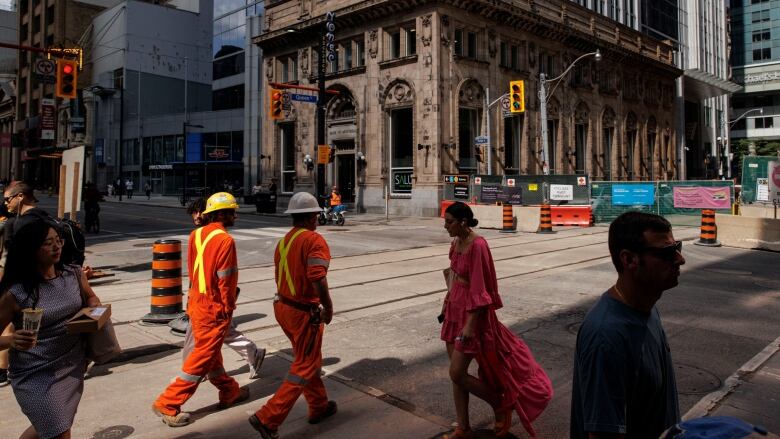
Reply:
x=668, y=253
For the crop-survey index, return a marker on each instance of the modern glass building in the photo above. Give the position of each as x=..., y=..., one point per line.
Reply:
x=755, y=61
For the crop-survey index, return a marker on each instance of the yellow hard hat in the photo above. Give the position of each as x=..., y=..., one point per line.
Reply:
x=220, y=201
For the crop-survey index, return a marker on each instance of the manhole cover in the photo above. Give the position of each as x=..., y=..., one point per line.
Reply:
x=115, y=432
x=692, y=380
x=768, y=283
x=729, y=271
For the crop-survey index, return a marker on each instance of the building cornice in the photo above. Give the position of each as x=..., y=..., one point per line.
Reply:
x=559, y=20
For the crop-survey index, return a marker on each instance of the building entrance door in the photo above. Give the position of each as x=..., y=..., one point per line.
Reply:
x=345, y=176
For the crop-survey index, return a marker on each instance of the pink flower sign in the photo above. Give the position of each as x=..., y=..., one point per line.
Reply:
x=698, y=197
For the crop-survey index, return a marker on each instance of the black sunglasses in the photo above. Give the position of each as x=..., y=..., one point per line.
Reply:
x=668, y=253
x=9, y=198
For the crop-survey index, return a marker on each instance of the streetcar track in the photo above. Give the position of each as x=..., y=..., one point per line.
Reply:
x=379, y=252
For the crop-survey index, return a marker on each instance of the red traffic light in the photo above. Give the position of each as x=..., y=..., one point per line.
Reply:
x=67, y=69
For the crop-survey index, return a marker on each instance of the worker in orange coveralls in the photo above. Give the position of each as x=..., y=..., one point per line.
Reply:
x=213, y=270
x=302, y=307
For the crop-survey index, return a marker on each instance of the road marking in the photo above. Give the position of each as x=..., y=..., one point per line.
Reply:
x=260, y=232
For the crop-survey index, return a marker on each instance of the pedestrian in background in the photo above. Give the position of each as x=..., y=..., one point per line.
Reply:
x=212, y=266
x=509, y=377
x=234, y=339
x=46, y=368
x=302, y=307
x=129, y=188
x=624, y=384
x=148, y=190
x=110, y=190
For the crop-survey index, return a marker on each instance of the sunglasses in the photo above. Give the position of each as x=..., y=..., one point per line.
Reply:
x=7, y=199
x=668, y=253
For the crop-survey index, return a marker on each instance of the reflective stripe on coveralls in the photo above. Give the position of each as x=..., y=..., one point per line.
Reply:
x=283, y=269
x=197, y=267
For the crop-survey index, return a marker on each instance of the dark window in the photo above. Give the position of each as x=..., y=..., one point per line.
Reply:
x=459, y=42
x=24, y=32
x=287, y=138
x=228, y=98
x=504, y=57
x=395, y=44
x=472, y=45
x=348, y=55
x=762, y=54
x=401, y=126
x=228, y=66
x=761, y=35
x=515, y=58
x=119, y=78
x=36, y=24
x=580, y=143
x=468, y=128
x=361, y=53
x=50, y=15
x=760, y=16
x=411, y=41
x=765, y=122
x=740, y=125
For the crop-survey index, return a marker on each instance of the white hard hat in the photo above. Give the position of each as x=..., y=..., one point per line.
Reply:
x=303, y=202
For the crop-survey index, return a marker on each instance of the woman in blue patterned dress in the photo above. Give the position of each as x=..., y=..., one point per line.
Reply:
x=47, y=373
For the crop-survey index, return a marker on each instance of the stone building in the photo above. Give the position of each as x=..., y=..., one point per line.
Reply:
x=413, y=78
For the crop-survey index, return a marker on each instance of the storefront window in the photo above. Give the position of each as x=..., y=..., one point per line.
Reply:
x=468, y=129
x=401, y=150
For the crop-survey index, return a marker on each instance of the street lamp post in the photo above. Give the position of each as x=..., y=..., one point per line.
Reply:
x=727, y=138
x=544, y=97
x=184, y=126
x=108, y=92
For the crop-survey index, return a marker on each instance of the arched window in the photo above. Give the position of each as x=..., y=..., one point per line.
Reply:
x=604, y=160
x=581, y=115
x=652, y=135
x=470, y=100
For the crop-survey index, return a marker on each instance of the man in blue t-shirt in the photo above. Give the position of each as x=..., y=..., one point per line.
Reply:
x=624, y=385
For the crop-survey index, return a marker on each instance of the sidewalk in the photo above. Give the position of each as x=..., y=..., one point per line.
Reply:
x=752, y=393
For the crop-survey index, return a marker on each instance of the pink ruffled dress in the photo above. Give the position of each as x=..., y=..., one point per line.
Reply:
x=505, y=361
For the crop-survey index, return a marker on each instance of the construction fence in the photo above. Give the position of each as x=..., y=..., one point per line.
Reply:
x=666, y=198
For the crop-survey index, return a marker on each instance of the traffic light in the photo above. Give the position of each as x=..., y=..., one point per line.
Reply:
x=67, y=75
x=517, y=96
x=275, y=105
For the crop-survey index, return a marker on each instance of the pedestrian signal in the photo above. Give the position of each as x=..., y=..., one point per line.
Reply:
x=275, y=105
x=517, y=96
x=67, y=75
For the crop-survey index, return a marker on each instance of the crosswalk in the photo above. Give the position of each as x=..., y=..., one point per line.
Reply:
x=246, y=234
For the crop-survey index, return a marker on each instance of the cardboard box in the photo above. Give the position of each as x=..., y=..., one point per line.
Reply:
x=88, y=319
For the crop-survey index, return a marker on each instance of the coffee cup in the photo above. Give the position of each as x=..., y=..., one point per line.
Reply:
x=31, y=319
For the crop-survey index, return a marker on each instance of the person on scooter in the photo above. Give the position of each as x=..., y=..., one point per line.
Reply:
x=335, y=200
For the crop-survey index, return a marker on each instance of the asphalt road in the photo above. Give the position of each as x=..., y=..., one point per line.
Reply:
x=387, y=290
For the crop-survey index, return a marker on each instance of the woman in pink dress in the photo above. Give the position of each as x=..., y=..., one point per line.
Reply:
x=509, y=378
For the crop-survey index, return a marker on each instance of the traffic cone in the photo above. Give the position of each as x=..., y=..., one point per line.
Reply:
x=508, y=224
x=166, y=299
x=709, y=231
x=545, y=219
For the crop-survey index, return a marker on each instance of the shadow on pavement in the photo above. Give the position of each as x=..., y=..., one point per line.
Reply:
x=248, y=318
x=137, y=355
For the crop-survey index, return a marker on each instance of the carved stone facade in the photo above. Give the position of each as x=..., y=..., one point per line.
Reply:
x=414, y=79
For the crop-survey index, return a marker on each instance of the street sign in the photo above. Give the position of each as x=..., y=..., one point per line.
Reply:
x=312, y=99
x=48, y=118
x=323, y=154
x=481, y=140
x=45, y=67
x=456, y=178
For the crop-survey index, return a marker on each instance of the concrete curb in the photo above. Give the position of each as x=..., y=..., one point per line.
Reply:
x=712, y=400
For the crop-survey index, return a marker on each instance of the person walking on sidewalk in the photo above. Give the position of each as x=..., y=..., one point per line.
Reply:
x=624, y=384
x=129, y=187
x=302, y=307
x=509, y=377
x=212, y=266
x=148, y=190
x=234, y=339
x=46, y=368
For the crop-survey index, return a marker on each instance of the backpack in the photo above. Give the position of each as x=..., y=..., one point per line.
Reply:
x=75, y=243
x=70, y=231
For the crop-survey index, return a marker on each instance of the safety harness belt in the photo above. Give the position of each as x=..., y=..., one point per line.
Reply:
x=200, y=247
x=284, y=269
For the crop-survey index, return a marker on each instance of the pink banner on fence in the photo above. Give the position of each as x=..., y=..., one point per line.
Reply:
x=698, y=197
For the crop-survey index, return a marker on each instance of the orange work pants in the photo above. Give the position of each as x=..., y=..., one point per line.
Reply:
x=304, y=374
x=204, y=360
